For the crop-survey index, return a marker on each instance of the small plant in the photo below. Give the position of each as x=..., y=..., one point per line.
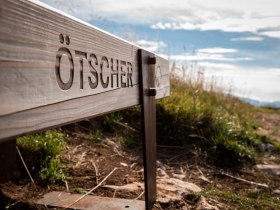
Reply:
x=50, y=142
x=52, y=171
x=48, y=145
x=79, y=190
x=109, y=123
x=230, y=147
x=96, y=136
x=128, y=142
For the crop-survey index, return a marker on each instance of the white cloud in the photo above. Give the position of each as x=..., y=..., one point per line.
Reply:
x=250, y=83
x=174, y=26
x=217, y=50
x=231, y=24
x=255, y=83
x=210, y=54
x=259, y=84
x=274, y=34
x=207, y=57
x=216, y=66
x=254, y=39
x=229, y=16
x=250, y=16
x=151, y=45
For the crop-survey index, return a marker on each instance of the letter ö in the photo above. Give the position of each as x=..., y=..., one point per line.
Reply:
x=64, y=51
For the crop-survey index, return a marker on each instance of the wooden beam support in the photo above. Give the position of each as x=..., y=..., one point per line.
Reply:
x=147, y=67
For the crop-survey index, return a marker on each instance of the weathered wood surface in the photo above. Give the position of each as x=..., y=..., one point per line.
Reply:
x=55, y=69
x=90, y=202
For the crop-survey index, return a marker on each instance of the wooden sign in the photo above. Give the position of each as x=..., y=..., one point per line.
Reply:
x=55, y=69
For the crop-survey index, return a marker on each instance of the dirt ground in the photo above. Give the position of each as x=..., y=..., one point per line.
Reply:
x=88, y=163
x=270, y=124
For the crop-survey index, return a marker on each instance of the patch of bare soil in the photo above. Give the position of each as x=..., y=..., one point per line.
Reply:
x=270, y=124
x=182, y=176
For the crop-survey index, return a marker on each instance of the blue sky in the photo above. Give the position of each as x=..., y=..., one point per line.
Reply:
x=237, y=42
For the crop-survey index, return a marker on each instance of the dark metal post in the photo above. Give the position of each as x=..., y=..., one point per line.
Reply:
x=146, y=62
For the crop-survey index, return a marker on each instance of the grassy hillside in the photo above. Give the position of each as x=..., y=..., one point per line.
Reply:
x=220, y=124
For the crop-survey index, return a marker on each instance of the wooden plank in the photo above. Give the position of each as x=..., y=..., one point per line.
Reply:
x=90, y=202
x=147, y=63
x=55, y=69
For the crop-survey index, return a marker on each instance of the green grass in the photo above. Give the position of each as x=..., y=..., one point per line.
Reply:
x=52, y=171
x=47, y=146
x=109, y=121
x=96, y=136
x=50, y=142
x=79, y=190
x=128, y=142
x=249, y=200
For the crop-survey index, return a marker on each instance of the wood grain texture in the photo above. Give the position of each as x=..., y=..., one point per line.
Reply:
x=50, y=64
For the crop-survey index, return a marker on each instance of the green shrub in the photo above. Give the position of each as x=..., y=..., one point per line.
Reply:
x=52, y=171
x=50, y=142
x=47, y=145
